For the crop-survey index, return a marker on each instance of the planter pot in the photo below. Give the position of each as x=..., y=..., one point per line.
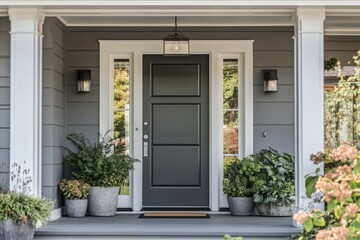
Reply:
x=241, y=206
x=16, y=231
x=76, y=207
x=103, y=201
x=273, y=210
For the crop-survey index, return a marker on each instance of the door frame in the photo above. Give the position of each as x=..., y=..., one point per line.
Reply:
x=217, y=50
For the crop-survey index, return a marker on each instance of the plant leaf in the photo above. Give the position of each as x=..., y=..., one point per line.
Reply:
x=308, y=225
x=331, y=206
x=310, y=183
x=357, y=168
x=319, y=222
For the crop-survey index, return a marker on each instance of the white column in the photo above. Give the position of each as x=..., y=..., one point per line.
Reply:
x=309, y=41
x=26, y=94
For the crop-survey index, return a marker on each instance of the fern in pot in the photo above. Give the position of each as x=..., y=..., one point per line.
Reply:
x=76, y=193
x=277, y=192
x=240, y=183
x=104, y=166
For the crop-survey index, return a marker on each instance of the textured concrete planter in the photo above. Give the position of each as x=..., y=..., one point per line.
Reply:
x=241, y=206
x=103, y=201
x=76, y=207
x=273, y=210
x=16, y=231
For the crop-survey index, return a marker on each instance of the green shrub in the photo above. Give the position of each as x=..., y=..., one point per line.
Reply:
x=228, y=237
x=240, y=177
x=101, y=164
x=22, y=208
x=277, y=178
x=74, y=189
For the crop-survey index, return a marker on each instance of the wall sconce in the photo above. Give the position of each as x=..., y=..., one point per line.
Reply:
x=83, y=81
x=270, y=80
x=176, y=44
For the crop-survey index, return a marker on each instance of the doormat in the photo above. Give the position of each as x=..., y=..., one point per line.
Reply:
x=174, y=215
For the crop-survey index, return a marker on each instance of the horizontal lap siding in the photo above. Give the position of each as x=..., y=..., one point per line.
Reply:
x=273, y=48
x=4, y=101
x=342, y=48
x=53, y=109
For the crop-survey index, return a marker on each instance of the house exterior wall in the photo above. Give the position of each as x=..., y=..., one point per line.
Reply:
x=273, y=48
x=342, y=48
x=4, y=101
x=53, y=108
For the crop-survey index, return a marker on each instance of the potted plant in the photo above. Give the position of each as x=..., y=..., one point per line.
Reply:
x=104, y=166
x=20, y=212
x=75, y=192
x=277, y=191
x=240, y=185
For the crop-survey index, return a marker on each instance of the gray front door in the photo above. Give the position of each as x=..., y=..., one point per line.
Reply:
x=176, y=131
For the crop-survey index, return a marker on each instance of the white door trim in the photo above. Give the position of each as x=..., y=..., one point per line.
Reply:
x=217, y=50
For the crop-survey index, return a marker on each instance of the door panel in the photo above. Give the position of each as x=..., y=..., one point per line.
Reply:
x=176, y=110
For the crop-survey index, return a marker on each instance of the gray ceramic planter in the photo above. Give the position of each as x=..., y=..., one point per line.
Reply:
x=241, y=206
x=76, y=207
x=16, y=231
x=273, y=210
x=103, y=201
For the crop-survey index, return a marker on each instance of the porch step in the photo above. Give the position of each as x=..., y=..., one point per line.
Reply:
x=129, y=226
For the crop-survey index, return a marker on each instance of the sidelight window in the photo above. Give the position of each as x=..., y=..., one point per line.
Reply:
x=122, y=111
x=230, y=110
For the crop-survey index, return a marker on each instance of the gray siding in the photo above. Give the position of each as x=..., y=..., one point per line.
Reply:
x=273, y=48
x=342, y=48
x=53, y=108
x=4, y=101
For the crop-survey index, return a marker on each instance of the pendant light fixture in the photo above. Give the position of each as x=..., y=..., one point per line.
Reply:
x=176, y=44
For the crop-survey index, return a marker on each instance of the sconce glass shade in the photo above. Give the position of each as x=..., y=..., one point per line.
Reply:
x=176, y=44
x=83, y=81
x=270, y=80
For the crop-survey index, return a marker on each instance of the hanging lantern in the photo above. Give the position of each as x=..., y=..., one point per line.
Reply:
x=176, y=43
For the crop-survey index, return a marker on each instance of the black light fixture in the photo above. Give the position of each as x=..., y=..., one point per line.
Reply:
x=83, y=81
x=176, y=44
x=270, y=80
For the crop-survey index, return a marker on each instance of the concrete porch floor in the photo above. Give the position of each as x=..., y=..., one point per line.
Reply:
x=129, y=226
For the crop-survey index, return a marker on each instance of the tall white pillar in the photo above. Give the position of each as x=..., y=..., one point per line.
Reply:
x=26, y=94
x=309, y=41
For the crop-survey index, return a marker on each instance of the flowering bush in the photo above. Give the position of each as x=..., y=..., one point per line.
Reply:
x=341, y=189
x=74, y=189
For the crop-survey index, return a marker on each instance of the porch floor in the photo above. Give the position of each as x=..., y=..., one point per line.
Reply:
x=129, y=226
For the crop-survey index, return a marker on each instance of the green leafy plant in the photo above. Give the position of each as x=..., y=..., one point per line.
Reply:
x=240, y=177
x=102, y=164
x=330, y=64
x=277, y=178
x=342, y=110
x=22, y=208
x=228, y=237
x=74, y=189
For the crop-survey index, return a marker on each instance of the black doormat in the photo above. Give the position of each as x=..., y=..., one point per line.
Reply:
x=174, y=215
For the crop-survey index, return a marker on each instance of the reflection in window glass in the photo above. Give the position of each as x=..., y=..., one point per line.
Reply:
x=122, y=109
x=230, y=106
x=231, y=143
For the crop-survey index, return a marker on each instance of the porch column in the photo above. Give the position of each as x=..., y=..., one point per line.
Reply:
x=309, y=42
x=26, y=94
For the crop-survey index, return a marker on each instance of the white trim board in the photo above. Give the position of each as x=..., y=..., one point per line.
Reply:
x=217, y=50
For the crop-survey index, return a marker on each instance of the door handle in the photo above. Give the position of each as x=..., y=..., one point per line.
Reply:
x=146, y=146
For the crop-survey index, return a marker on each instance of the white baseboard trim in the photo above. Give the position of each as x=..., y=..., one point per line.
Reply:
x=56, y=214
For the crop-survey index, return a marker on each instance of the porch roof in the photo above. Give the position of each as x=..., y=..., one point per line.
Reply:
x=129, y=225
